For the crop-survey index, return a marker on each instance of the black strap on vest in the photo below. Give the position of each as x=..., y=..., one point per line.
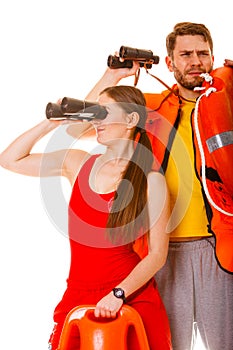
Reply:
x=164, y=164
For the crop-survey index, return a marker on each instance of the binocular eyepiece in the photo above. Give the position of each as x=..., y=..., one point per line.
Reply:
x=73, y=109
x=145, y=58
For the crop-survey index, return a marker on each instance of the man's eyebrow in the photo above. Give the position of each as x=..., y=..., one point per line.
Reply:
x=186, y=51
x=190, y=51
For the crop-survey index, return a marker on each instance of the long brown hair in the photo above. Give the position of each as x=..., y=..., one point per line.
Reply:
x=129, y=212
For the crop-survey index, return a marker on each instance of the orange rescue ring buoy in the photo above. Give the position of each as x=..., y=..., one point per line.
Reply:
x=213, y=123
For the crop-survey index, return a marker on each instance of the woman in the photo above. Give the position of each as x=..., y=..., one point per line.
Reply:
x=116, y=200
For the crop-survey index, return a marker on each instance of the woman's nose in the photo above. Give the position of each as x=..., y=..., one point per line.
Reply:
x=96, y=122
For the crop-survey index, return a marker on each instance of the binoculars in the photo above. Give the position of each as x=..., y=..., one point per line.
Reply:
x=73, y=109
x=145, y=58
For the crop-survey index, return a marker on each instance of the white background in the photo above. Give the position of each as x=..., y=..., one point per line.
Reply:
x=51, y=49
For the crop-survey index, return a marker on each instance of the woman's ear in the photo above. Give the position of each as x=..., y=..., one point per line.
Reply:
x=132, y=119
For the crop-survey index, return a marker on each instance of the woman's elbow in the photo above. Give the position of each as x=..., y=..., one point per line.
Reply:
x=6, y=162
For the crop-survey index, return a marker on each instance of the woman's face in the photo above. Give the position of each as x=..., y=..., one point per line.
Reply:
x=115, y=125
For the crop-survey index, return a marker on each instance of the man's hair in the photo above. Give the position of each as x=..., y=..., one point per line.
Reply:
x=187, y=28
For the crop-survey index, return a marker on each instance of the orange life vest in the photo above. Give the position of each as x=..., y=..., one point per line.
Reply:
x=163, y=113
x=215, y=122
x=213, y=125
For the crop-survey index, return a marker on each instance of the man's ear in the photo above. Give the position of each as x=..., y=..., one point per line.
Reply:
x=132, y=119
x=169, y=63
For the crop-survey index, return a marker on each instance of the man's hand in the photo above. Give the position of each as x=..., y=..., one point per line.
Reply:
x=228, y=63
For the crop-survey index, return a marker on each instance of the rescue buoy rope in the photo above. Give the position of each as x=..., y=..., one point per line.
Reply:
x=206, y=93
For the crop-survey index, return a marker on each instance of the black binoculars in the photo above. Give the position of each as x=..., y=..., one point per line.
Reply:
x=73, y=109
x=145, y=58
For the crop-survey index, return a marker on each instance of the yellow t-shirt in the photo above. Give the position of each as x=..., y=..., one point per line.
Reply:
x=188, y=218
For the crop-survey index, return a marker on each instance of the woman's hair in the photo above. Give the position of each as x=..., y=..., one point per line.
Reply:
x=187, y=28
x=129, y=212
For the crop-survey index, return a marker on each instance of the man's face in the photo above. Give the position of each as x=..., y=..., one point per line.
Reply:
x=191, y=57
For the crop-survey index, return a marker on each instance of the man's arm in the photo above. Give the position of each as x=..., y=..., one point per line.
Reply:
x=228, y=63
x=111, y=77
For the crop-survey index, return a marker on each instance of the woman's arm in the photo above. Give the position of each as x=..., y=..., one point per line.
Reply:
x=18, y=157
x=159, y=211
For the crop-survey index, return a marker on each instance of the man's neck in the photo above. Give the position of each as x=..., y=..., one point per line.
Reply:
x=188, y=94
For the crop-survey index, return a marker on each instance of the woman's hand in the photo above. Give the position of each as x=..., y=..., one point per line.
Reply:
x=108, y=306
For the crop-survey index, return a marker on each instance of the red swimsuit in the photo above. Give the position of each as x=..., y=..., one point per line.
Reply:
x=97, y=266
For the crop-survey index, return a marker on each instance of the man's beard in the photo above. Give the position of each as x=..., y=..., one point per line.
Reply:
x=187, y=84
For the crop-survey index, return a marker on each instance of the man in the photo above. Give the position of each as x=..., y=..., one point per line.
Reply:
x=196, y=289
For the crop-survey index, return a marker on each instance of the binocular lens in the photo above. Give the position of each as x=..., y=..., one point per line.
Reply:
x=114, y=62
x=74, y=109
x=132, y=53
x=53, y=110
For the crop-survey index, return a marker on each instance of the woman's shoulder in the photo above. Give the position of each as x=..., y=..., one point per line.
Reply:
x=156, y=176
x=74, y=156
x=73, y=162
x=156, y=182
x=158, y=194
